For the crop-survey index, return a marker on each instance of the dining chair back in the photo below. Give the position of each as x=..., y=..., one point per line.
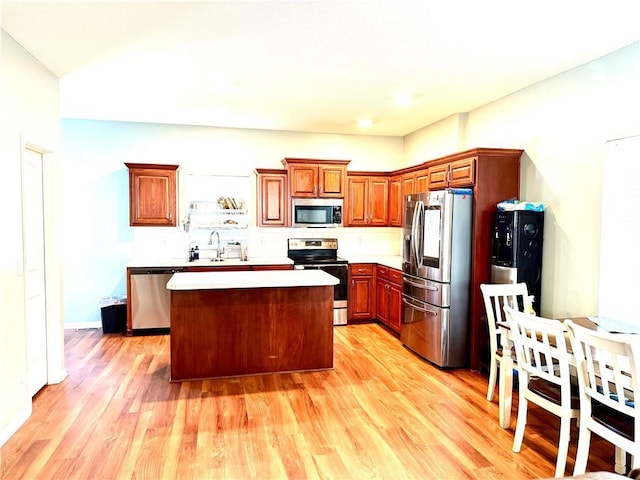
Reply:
x=496, y=296
x=607, y=367
x=544, y=375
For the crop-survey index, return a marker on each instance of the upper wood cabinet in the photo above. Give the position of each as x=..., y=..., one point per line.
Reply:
x=152, y=194
x=458, y=173
x=316, y=178
x=272, y=199
x=396, y=201
x=415, y=182
x=367, y=200
x=422, y=181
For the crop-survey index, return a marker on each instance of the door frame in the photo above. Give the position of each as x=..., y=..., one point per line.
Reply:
x=56, y=371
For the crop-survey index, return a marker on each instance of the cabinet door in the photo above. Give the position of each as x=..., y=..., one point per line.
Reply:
x=395, y=307
x=408, y=184
x=331, y=181
x=422, y=181
x=438, y=176
x=378, y=202
x=395, y=202
x=152, y=195
x=303, y=180
x=462, y=173
x=272, y=200
x=357, y=201
x=361, y=298
x=382, y=300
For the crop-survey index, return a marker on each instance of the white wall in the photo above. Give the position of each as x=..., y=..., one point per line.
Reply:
x=436, y=140
x=98, y=242
x=29, y=112
x=562, y=124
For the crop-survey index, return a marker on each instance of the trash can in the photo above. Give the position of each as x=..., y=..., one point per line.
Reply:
x=113, y=311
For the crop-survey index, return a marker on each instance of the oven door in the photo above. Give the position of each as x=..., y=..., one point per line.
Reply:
x=339, y=271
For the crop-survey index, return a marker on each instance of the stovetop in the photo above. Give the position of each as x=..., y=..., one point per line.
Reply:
x=314, y=250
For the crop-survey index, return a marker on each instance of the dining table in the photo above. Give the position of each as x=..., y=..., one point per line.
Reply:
x=505, y=380
x=505, y=374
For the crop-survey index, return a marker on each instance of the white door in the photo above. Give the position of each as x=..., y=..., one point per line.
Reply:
x=33, y=243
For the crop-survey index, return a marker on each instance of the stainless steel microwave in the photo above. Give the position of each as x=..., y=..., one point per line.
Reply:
x=316, y=212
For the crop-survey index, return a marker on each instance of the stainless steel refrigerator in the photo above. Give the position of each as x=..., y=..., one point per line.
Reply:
x=436, y=275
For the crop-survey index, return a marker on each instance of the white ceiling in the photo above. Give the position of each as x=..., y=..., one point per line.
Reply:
x=305, y=65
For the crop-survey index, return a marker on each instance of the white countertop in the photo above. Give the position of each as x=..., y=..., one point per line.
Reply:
x=182, y=262
x=253, y=279
x=390, y=261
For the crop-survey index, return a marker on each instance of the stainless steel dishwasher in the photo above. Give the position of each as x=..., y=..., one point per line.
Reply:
x=150, y=300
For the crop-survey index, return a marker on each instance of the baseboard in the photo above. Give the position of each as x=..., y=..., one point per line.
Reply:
x=57, y=376
x=82, y=325
x=15, y=424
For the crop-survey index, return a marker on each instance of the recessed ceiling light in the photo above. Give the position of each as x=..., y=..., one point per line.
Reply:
x=364, y=122
x=402, y=99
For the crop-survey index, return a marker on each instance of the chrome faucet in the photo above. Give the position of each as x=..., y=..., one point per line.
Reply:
x=218, y=250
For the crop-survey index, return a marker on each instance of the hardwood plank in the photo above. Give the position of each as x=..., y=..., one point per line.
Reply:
x=381, y=413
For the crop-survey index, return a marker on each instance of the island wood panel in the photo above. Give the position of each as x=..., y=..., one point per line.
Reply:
x=221, y=333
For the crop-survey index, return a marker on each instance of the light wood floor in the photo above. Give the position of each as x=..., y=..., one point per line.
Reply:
x=381, y=413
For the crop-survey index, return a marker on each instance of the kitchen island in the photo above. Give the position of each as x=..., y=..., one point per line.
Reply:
x=245, y=323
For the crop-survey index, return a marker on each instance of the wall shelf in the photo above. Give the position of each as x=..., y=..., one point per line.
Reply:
x=212, y=215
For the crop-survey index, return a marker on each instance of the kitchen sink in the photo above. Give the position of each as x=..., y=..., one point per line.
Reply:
x=209, y=261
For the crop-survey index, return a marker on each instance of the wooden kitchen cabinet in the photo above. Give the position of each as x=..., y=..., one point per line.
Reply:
x=367, y=202
x=422, y=181
x=152, y=195
x=389, y=297
x=415, y=182
x=316, y=178
x=396, y=201
x=496, y=176
x=361, y=304
x=458, y=173
x=273, y=198
x=408, y=184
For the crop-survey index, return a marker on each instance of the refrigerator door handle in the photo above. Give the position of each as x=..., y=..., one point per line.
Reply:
x=416, y=307
x=415, y=230
x=419, y=285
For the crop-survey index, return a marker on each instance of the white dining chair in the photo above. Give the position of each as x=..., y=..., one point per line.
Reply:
x=496, y=296
x=544, y=376
x=607, y=365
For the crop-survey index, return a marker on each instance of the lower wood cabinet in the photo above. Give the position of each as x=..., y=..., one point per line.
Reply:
x=389, y=297
x=362, y=301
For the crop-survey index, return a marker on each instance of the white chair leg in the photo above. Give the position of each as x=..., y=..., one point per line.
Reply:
x=582, y=454
x=621, y=461
x=520, y=423
x=493, y=373
x=563, y=446
x=505, y=392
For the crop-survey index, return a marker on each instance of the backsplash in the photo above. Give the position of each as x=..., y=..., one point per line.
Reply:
x=153, y=242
